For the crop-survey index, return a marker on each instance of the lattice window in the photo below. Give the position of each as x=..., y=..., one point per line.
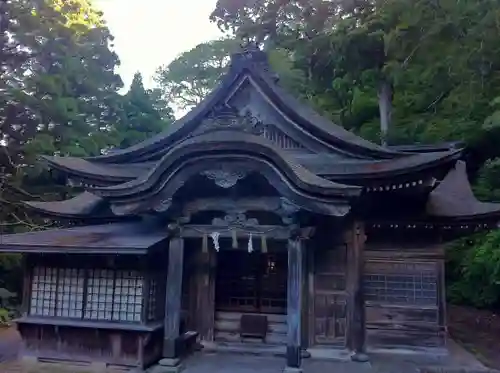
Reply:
x=43, y=292
x=110, y=295
x=70, y=288
x=127, y=304
x=100, y=288
x=418, y=289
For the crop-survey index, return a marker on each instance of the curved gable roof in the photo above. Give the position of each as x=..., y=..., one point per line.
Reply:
x=299, y=113
x=228, y=146
x=231, y=152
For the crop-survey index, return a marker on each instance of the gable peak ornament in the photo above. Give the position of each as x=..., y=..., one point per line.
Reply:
x=252, y=52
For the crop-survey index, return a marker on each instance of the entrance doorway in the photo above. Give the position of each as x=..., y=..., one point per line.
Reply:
x=251, y=282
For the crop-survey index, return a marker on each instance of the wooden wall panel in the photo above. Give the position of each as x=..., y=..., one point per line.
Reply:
x=89, y=345
x=403, y=300
x=330, y=297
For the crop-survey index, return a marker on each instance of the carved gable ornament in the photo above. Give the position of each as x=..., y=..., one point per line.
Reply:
x=224, y=117
x=227, y=118
x=224, y=177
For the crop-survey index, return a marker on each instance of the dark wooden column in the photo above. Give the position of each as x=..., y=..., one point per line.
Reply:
x=27, y=282
x=294, y=304
x=206, y=295
x=356, y=323
x=173, y=296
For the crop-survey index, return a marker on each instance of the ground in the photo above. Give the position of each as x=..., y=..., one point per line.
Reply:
x=478, y=331
x=237, y=363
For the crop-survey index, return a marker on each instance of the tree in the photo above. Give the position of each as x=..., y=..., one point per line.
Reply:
x=424, y=60
x=58, y=93
x=143, y=114
x=187, y=80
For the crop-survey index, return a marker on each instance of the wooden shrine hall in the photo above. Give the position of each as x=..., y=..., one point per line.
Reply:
x=252, y=221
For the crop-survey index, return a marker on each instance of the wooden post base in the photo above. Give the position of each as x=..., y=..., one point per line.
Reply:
x=360, y=357
x=167, y=365
x=292, y=370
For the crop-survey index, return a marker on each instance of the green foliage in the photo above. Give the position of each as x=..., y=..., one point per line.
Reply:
x=436, y=64
x=143, y=114
x=487, y=185
x=186, y=80
x=473, y=270
x=440, y=59
x=59, y=96
x=5, y=317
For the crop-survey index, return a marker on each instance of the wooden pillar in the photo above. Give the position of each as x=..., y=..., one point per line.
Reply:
x=356, y=323
x=304, y=339
x=441, y=294
x=27, y=282
x=294, y=304
x=173, y=294
x=206, y=294
x=146, y=293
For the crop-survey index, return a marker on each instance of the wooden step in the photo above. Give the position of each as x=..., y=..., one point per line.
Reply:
x=271, y=318
x=232, y=337
x=234, y=326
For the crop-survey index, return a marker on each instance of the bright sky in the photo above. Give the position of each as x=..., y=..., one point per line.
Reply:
x=151, y=33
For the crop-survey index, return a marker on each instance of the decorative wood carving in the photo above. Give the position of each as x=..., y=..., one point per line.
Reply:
x=281, y=206
x=278, y=137
x=224, y=177
x=286, y=210
x=225, y=117
x=235, y=220
x=163, y=205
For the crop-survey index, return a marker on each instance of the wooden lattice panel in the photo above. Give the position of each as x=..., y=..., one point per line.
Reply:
x=127, y=303
x=43, y=292
x=70, y=289
x=99, y=304
x=401, y=283
x=96, y=294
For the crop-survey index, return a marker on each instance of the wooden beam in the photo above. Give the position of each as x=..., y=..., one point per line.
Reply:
x=276, y=232
x=173, y=294
x=356, y=323
x=294, y=303
x=272, y=204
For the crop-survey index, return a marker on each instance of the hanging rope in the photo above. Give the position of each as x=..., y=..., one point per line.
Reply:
x=205, y=243
x=234, y=239
x=250, y=244
x=263, y=243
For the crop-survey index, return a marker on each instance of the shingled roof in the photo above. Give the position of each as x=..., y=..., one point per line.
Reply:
x=454, y=198
x=330, y=162
x=117, y=238
x=336, y=149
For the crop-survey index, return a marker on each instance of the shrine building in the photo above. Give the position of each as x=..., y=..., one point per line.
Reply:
x=253, y=222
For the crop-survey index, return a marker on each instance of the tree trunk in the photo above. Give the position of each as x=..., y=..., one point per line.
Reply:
x=385, y=107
